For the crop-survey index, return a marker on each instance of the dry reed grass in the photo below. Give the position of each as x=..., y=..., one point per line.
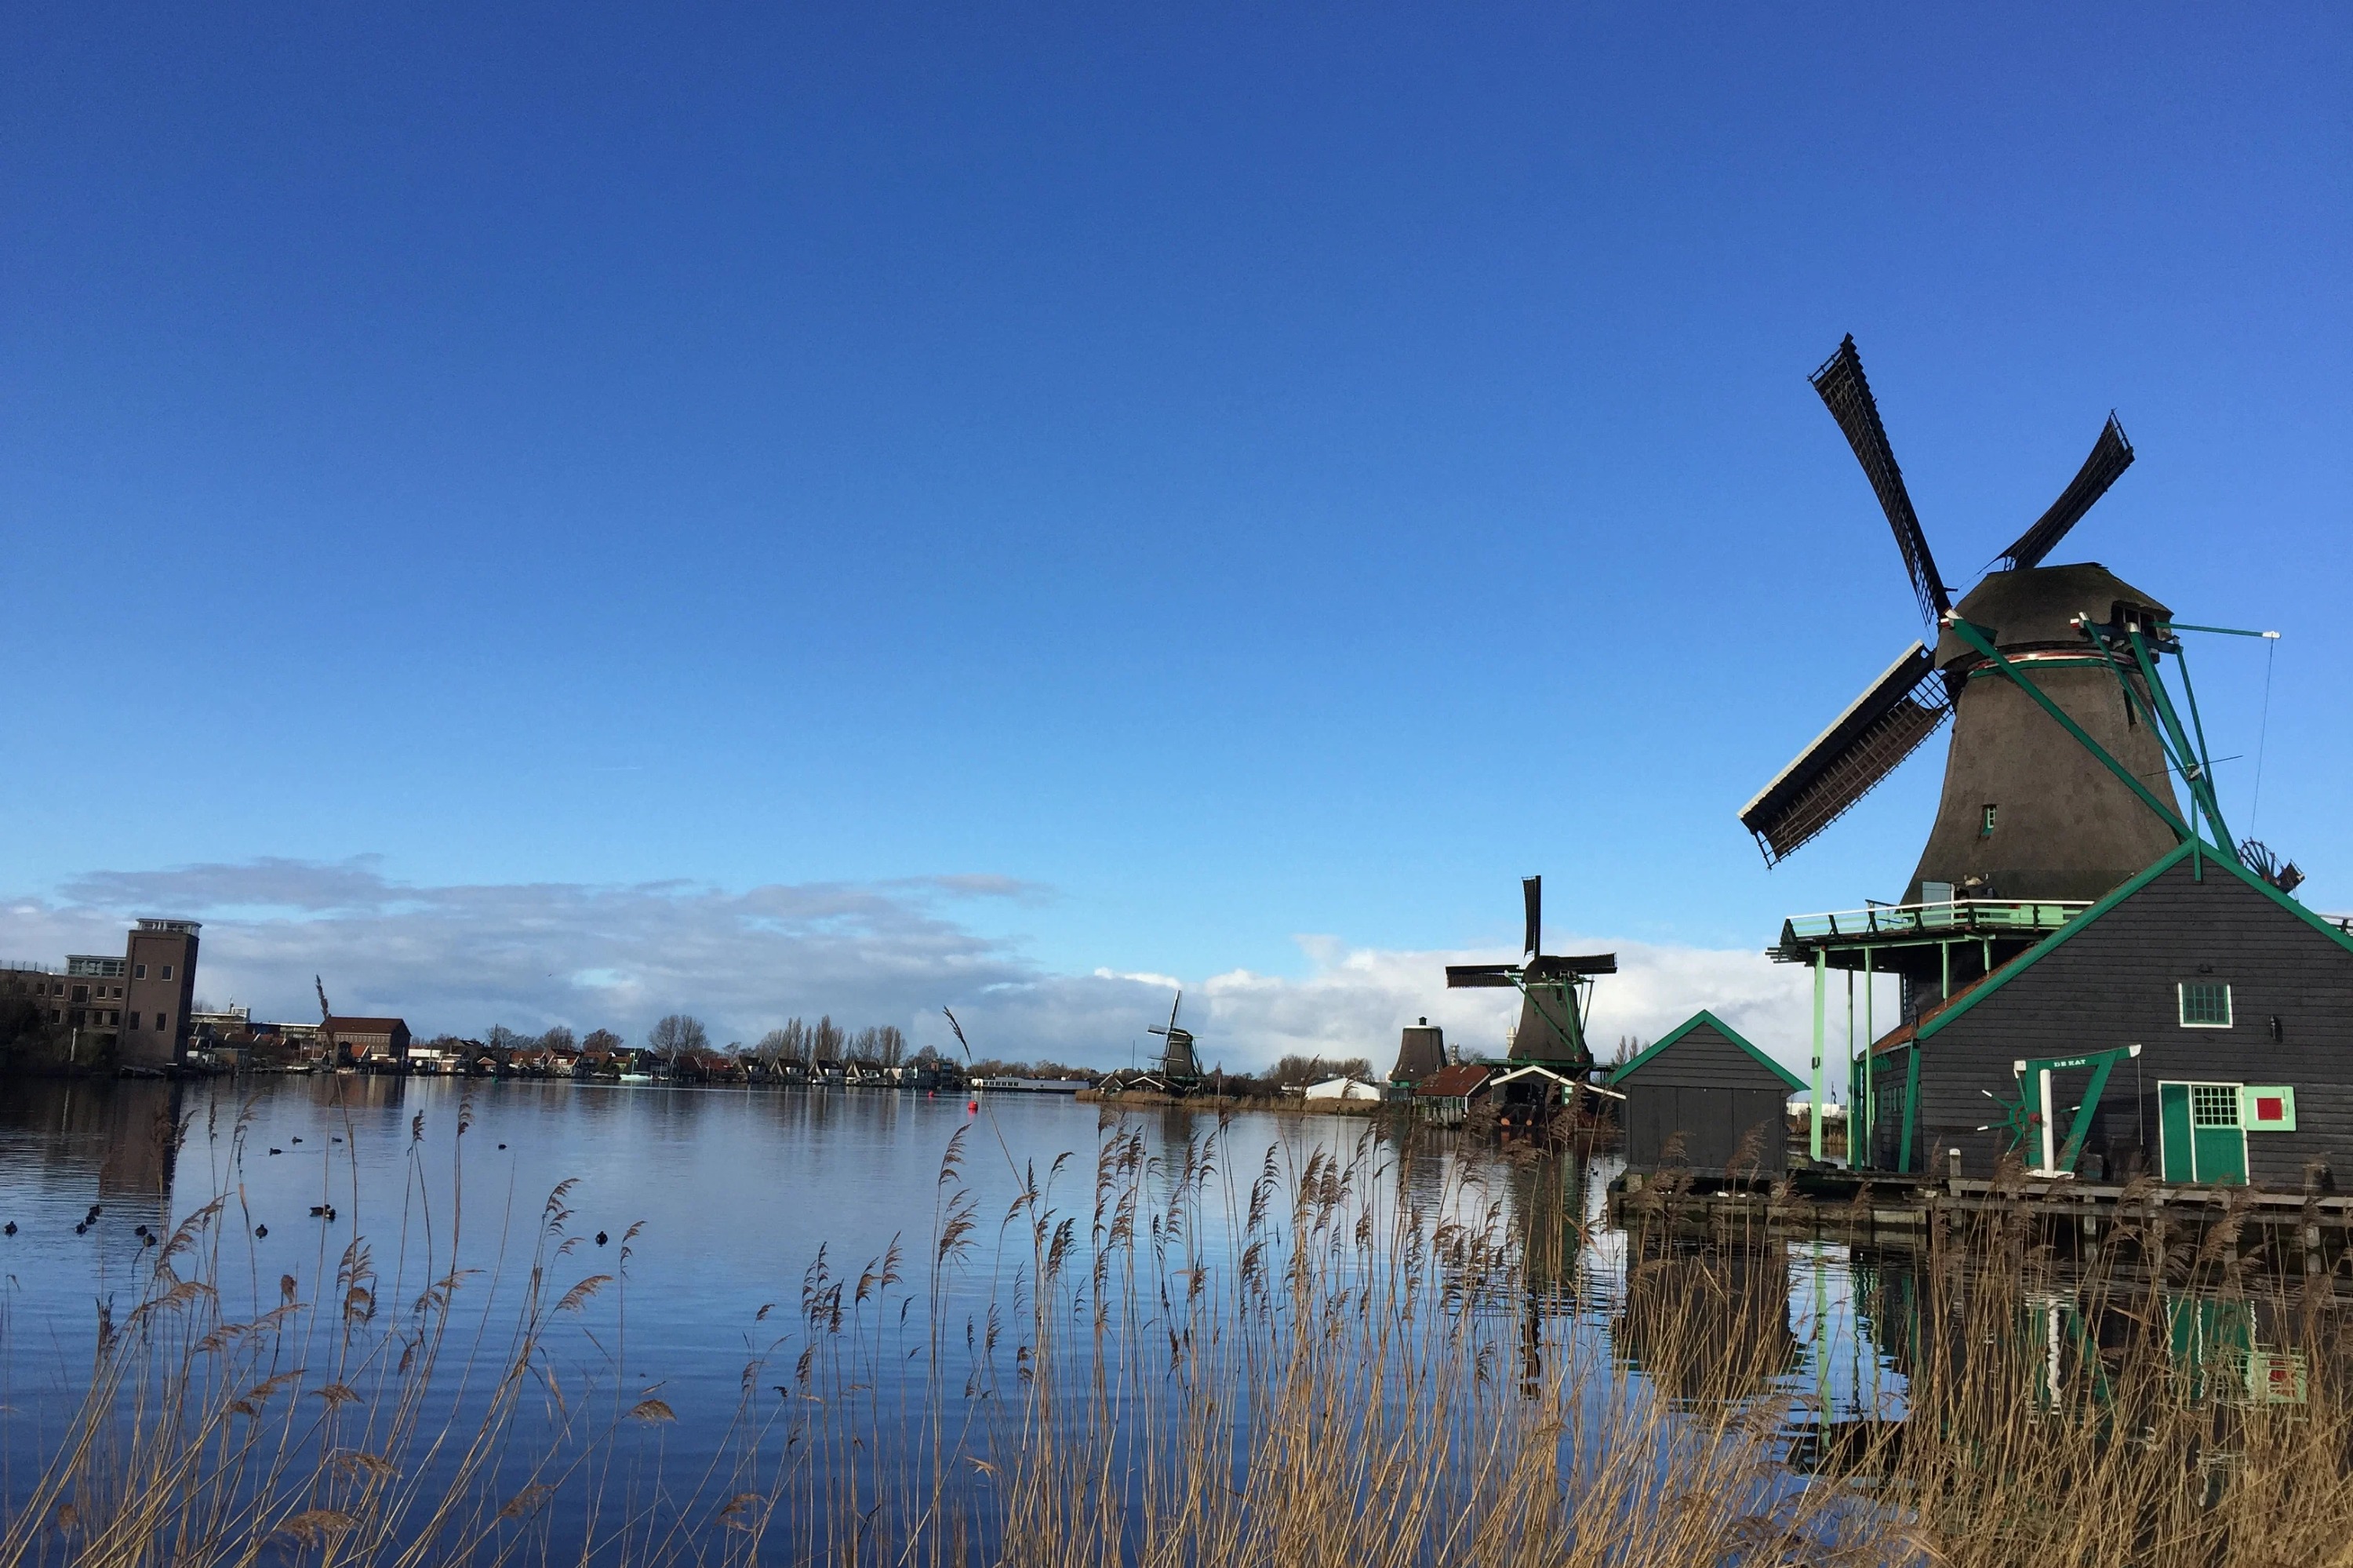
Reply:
x=1179, y=1363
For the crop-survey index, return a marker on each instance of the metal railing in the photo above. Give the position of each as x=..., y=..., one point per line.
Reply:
x=27, y=965
x=1913, y=922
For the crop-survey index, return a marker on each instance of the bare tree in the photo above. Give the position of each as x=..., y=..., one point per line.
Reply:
x=890, y=1046
x=827, y=1039
x=679, y=1034
x=1293, y=1071
x=557, y=1039
x=601, y=1040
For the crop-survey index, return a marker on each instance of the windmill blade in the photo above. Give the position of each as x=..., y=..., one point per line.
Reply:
x=1532, y=895
x=1862, y=745
x=1848, y=397
x=1460, y=975
x=1551, y=968
x=2111, y=455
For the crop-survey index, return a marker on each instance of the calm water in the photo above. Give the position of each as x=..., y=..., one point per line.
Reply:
x=734, y=1194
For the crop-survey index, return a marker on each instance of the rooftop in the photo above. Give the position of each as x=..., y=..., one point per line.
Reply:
x=1461, y=1078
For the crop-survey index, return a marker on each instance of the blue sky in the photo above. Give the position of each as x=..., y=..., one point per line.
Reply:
x=1215, y=479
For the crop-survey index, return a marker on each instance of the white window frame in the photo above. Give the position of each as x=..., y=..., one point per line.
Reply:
x=2181, y=1003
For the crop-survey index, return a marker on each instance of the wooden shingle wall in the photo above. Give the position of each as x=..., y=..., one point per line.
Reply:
x=2112, y=984
x=1714, y=1093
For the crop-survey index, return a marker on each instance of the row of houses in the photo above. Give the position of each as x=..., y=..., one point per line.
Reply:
x=388, y=1046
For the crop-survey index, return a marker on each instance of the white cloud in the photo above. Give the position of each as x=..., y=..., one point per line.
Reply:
x=463, y=958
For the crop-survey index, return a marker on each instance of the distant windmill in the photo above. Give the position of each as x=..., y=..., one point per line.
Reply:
x=1178, y=1065
x=2027, y=811
x=326, y=1020
x=1555, y=992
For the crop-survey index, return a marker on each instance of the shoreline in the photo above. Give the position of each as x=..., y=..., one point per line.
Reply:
x=1145, y=1099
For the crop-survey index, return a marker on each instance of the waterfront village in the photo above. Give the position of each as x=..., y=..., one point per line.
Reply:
x=142, y=1015
x=2096, y=982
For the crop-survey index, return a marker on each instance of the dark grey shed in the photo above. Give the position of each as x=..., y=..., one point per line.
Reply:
x=1704, y=1082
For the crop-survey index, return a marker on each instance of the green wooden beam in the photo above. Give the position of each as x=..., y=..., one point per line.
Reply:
x=1976, y=637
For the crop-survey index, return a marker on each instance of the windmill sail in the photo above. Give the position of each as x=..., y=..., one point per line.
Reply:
x=1551, y=970
x=1862, y=745
x=1531, y=896
x=2111, y=455
x=1848, y=395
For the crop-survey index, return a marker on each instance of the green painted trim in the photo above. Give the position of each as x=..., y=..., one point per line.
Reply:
x=1720, y=1027
x=2165, y=862
x=1911, y=1105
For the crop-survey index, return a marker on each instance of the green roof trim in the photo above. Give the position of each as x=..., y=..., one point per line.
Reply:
x=1720, y=1027
x=2165, y=862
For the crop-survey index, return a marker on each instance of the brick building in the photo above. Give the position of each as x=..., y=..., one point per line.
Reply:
x=365, y=1042
x=138, y=1004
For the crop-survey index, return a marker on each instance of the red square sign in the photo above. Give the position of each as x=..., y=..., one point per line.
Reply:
x=2270, y=1107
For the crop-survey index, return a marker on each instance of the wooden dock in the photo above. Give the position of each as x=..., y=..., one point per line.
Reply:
x=2167, y=1228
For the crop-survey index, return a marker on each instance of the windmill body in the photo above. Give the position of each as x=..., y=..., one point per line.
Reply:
x=2028, y=811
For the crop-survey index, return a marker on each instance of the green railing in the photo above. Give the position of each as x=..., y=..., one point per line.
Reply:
x=1917, y=922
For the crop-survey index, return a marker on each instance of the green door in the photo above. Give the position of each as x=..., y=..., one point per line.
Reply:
x=2202, y=1140
x=2174, y=1162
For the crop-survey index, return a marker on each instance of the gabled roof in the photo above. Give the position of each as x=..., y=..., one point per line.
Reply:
x=1720, y=1027
x=1461, y=1078
x=2165, y=862
x=1554, y=1074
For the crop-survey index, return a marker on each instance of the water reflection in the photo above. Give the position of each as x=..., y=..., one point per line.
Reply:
x=116, y=1140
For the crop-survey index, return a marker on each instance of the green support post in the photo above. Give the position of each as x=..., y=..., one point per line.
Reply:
x=1821, y=975
x=1911, y=1103
x=1870, y=1095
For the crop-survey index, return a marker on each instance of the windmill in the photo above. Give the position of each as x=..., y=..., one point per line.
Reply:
x=2028, y=812
x=1555, y=992
x=1178, y=1065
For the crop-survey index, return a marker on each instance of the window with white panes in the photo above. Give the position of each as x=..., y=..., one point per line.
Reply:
x=2205, y=1004
x=2214, y=1105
